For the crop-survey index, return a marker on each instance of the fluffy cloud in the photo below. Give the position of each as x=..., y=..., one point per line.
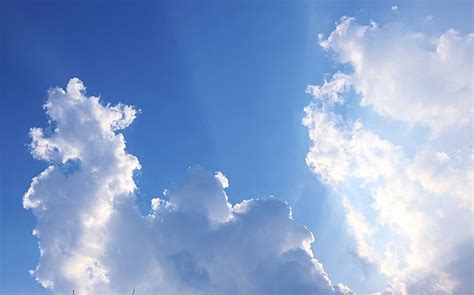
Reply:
x=93, y=238
x=409, y=213
x=393, y=69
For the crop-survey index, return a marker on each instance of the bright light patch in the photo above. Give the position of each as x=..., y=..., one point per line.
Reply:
x=414, y=226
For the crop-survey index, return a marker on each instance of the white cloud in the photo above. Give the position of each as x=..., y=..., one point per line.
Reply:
x=331, y=90
x=393, y=69
x=361, y=230
x=419, y=209
x=93, y=238
x=222, y=179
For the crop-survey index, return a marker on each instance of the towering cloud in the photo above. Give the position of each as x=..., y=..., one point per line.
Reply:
x=93, y=238
x=410, y=212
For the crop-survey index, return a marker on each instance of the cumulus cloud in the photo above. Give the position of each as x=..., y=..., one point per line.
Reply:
x=393, y=69
x=93, y=238
x=419, y=207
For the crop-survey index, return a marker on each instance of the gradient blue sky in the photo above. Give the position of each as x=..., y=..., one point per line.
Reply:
x=220, y=84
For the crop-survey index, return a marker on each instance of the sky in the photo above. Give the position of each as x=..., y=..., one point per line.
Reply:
x=214, y=119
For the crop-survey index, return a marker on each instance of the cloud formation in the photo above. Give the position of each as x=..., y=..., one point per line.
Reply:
x=393, y=69
x=93, y=238
x=409, y=213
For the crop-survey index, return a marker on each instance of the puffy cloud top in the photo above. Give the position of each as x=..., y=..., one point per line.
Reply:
x=393, y=69
x=93, y=238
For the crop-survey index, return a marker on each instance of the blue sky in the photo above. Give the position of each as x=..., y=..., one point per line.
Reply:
x=220, y=85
